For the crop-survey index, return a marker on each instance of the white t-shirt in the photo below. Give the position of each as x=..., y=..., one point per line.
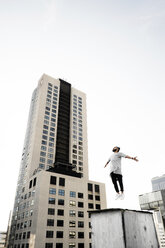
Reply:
x=115, y=165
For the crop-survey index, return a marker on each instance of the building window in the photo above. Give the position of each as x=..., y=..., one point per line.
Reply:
x=41, y=166
x=24, y=235
x=51, y=200
x=59, y=245
x=50, y=155
x=49, y=245
x=61, y=202
x=51, y=211
x=80, y=214
x=43, y=154
x=80, y=224
x=53, y=124
x=42, y=160
x=50, y=222
x=31, y=212
x=49, y=234
x=45, y=127
x=72, y=235
x=47, y=108
x=90, y=197
x=46, y=117
x=74, y=162
x=43, y=148
x=51, y=134
x=72, y=203
x=80, y=195
x=53, y=120
x=54, y=110
x=60, y=223
x=72, y=194
x=61, y=192
x=81, y=245
x=30, y=223
x=59, y=234
x=80, y=204
x=50, y=149
x=97, y=197
x=30, y=184
x=72, y=245
x=98, y=206
x=51, y=139
x=46, y=122
x=52, y=129
x=60, y=212
x=72, y=213
x=90, y=205
x=61, y=181
x=97, y=188
x=51, y=144
x=72, y=223
x=80, y=235
x=44, y=137
x=53, y=180
x=45, y=132
x=34, y=182
x=90, y=187
x=52, y=191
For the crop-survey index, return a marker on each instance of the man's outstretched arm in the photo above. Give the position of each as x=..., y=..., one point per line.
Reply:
x=134, y=158
x=107, y=163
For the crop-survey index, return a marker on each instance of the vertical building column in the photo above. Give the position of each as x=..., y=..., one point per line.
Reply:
x=63, y=126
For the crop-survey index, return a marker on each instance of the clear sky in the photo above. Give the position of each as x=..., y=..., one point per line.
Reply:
x=114, y=51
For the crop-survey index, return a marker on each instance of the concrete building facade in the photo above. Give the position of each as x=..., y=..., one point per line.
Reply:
x=54, y=192
x=158, y=183
x=155, y=202
x=2, y=239
x=123, y=228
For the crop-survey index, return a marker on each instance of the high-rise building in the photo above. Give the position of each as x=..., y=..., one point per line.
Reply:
x=54, y=192
x=155, y=202
x=158, y=183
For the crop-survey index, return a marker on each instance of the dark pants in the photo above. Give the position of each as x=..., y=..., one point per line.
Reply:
x=119, y=178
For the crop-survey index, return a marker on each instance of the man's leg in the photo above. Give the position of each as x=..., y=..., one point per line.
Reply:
x=114, y=180
x=120, y=179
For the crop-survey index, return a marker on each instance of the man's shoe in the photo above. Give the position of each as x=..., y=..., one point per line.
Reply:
x=117, y=196
x=122, y=196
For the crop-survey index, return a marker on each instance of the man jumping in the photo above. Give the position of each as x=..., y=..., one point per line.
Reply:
x=115, y=170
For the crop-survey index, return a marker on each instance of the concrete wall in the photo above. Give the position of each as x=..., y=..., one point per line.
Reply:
x=118, y=228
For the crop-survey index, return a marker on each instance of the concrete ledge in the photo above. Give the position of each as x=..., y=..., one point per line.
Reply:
x=123, y=228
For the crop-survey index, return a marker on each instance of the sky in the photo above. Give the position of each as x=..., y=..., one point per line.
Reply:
x=113, y=50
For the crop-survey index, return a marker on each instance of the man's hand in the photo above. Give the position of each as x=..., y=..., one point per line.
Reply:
x=135, y=158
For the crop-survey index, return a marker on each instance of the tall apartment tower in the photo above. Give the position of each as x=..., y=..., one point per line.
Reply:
x=54, y=193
